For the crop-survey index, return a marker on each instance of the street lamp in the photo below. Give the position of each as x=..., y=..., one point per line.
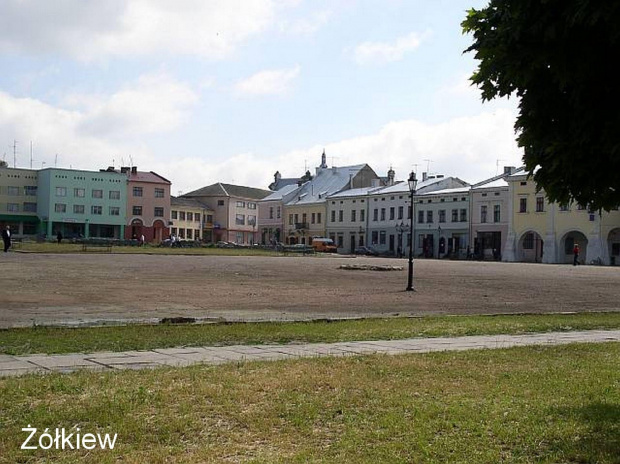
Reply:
x=413, y=182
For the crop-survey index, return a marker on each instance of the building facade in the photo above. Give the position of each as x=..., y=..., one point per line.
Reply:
x=148, y=205
x=18, y=201
x=191, y=220
x=82, y=203
x=235, y=210
x=540, y=231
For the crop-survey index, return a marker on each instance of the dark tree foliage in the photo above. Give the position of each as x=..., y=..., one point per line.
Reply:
x=561, y=59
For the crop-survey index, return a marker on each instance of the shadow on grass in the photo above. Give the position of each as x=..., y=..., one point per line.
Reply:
x=600, y=437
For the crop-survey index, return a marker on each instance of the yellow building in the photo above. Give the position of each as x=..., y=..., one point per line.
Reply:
x=540, y=231
x=191, y=219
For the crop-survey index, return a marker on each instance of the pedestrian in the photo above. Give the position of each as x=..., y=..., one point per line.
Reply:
x=142, y=240
x=575, y=254
x=6, y=238
x=59, y=237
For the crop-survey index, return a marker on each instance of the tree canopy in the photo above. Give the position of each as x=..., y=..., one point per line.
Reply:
x=559, y=58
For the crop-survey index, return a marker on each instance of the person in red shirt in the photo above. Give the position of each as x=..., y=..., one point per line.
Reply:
x=575, y=254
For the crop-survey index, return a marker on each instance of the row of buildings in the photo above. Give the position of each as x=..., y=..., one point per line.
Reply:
x=503, y=217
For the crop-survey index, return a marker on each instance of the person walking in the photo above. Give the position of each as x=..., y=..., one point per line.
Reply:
x=6, y=238
x=59, y=237
x=575, y=254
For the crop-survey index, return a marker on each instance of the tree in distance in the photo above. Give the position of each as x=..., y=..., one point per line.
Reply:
x=559, y=57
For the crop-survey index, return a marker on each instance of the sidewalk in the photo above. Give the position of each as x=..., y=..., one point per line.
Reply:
x=41, y=363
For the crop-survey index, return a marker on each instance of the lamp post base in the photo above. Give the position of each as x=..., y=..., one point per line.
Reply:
x=410, y=289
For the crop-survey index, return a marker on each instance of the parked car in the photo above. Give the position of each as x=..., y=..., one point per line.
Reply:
x=367, y=251
x=326, y=245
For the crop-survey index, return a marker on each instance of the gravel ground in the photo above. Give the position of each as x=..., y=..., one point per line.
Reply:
x=94, y=288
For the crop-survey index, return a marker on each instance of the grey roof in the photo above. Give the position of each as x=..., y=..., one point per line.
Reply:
x=447, y=191
x=499, y=180
x=188, y=202
x=279, y=194
x=283, y=182
x=354, y=192
x=229, y=190
x=326, y=182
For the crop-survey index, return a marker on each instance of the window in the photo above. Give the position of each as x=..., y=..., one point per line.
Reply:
x=79, y=192
x=375, y=214
x=278, y=213
x=189, y=234
x=220, y=202
x=340, y=216
x=13, y=191
x=455, y=215
x=159, y=193
x=251, y=220
x=362, y=215
x=383, y=214
x=190, y=216
x=421, y=217
x=483, y=214
x=97, y=193
x=442, y=215
x=353, y=215
x=181, y=215
x=60, y=208
x=400, y=212
x=392, y=213
x=197, y=234
x=540, y=204
x=318, y=218
x=173, y=231
x=290, y=218
x=333, y=218
x=313, y=218
x=181, y=233
x=296, y=218
x=30, y=207
x=30, y=190
x=197, y=217
x=240, y=204
x=528, y=241
x=96, y=209
x=375, y=237
x=429, y=216
x=271, y=212
x=240, y=219
x=382, y=237
x=12, y=207
x=463, y=215
x=174, y=214
x=497, y=213
x=209, y=218
x=78, y=209
x=137, y=191
x=158, y=211
x=251, y=205
x=115, y=211
x=136, y=210
x=61, y=191
x=523, y=205
x=304, y=218
x=114, y=194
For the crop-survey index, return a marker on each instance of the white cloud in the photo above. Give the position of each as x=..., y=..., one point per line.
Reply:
x=384, y=52
x=89, y=130
x=305, y=26
x=270, y=82
x=97, y=29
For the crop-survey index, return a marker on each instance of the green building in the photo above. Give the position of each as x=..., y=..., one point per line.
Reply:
x=18, y=201
x=82, y=203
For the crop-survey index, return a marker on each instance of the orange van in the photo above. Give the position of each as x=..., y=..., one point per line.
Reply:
x=326, y=245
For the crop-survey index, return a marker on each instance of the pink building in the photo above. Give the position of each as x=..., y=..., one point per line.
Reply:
x=148, y=205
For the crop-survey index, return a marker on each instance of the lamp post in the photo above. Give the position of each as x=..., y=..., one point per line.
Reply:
x=413, y=182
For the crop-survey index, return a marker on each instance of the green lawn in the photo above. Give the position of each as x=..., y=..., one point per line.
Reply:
x=519, y=405
x=144, y=337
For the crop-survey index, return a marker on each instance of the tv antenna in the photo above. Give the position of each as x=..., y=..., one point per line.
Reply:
x=428, y=164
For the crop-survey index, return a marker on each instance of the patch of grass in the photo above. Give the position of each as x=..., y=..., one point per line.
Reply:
x=518, y=405
x=145, y=337
x=147, y=249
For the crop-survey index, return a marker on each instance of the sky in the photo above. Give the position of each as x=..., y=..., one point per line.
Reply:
x=205, y=91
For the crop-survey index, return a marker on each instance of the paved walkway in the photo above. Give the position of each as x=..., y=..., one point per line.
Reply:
x=41, y=363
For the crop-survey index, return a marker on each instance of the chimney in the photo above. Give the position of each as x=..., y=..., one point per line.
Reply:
x=134, y=170
x=124, y=169
x=390, y=176
x=508, y=170
x=277, y=176
x=424, y=176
